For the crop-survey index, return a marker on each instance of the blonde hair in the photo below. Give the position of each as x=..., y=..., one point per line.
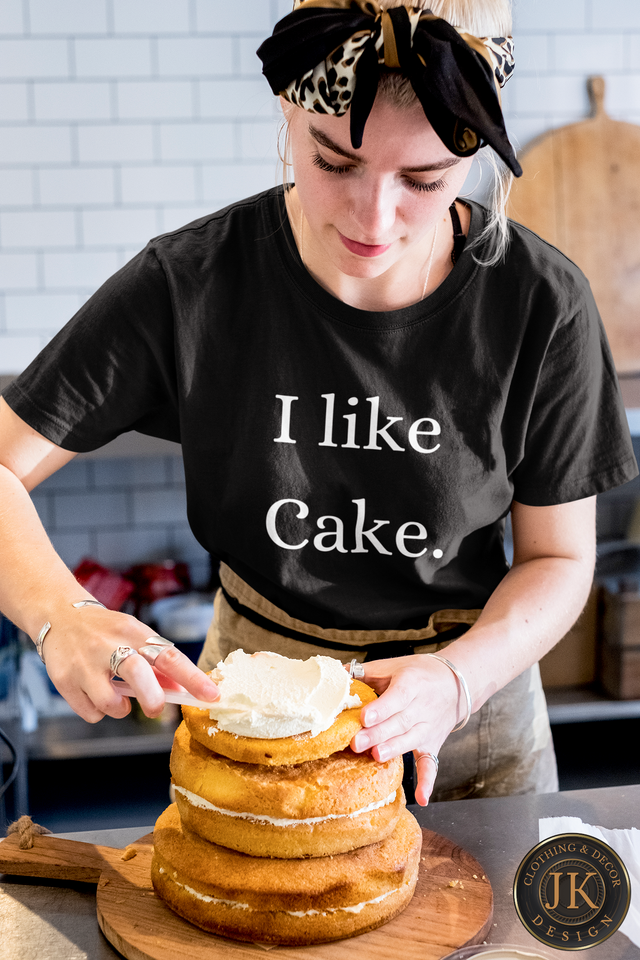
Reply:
x=483, y=18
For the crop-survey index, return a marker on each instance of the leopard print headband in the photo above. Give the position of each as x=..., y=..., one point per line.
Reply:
x=326, y=57
x=333, y=80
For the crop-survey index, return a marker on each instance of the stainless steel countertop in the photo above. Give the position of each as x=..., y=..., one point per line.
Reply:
x=58, y=921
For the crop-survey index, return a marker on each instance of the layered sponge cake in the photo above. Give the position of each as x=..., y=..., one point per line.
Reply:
x=295, y=902
x=312, y=809
x=304, y=842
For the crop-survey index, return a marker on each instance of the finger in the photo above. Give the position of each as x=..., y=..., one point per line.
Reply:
x=94, y=709
x=105, y=699
x=396, y=746
x=91, y=697
x=112, y=706
x=149, y=694
x=395, y=728
x=427, y=771
x=177, y=667
x=377, y=674
x=397, y=697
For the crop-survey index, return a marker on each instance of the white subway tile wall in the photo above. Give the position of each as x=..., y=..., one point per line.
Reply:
x=121, y=512
x=558, y=46
x=121, y=119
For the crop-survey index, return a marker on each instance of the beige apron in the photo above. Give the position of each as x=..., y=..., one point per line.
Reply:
x=506, y=747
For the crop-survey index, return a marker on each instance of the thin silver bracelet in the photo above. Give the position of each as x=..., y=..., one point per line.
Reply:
x=463, y=685
x=39, y=641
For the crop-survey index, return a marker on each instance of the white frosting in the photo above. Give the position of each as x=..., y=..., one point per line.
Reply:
x=356, y=908
x=506, y=953
x=236, y=905
x=203, y=804
x=267, y=696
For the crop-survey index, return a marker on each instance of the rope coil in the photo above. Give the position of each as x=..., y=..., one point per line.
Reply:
x=27, y=831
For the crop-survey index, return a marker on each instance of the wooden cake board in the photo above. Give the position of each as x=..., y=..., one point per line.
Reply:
x=580, y=191
x=452, y=905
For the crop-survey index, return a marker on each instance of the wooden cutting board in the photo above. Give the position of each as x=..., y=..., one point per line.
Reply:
x=452, y=905
x=580, y=190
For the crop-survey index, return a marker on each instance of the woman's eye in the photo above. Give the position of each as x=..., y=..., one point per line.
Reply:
x=427, y=187
x=329, y=167
x=432, y=187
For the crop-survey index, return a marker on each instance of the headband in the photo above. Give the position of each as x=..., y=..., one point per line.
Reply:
x=326, y=57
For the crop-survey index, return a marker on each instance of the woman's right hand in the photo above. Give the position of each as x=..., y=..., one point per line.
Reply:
x=77, y=651
x=36, y=586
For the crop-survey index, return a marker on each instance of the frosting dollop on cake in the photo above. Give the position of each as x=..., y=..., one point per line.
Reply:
x=268, y=696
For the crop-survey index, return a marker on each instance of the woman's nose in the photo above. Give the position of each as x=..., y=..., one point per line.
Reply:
x=374, y=212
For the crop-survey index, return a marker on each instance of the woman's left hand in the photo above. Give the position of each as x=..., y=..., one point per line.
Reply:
x=416, y=710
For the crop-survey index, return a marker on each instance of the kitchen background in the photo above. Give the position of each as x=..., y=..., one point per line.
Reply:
x=122, y=119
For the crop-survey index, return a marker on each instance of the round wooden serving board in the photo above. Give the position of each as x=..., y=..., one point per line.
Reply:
x=452, y=906
x=580, y=190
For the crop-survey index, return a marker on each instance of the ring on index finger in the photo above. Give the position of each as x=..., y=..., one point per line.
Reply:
x=356, y=670
x=153, y=647
x=118, y=656
x=429, y=756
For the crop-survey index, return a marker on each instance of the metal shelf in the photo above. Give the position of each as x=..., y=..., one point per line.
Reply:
x=584, y=704
x=71, y=738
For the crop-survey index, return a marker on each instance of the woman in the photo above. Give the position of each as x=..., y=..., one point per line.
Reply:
x=367, y=375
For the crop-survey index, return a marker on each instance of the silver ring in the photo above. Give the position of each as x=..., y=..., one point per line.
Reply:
x=356, y=670
x=118, y=655
x=430, y=756
x=153, y=647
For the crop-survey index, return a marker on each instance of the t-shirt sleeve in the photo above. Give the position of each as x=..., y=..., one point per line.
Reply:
x=111, y=369
x=577, y=441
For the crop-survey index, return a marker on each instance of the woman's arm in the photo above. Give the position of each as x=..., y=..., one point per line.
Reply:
x=36, y=586
x=530, y=611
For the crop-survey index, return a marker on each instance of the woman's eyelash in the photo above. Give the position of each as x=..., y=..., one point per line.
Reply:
x=429, y=187
x=414, y=184
x=329, y=167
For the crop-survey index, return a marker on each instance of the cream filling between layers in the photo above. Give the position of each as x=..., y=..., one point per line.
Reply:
x=203, y=804
x=237, y=905
x=234, y=904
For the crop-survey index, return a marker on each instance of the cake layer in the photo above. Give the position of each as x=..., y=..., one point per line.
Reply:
x=284, y=901
x=313, y=809
x=285, y=750
x=341, y=784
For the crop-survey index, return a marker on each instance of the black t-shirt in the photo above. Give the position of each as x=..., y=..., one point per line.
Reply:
x=354, y=467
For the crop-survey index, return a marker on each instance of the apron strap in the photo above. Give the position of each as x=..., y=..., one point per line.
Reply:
x=378, y=644
x=459, y=238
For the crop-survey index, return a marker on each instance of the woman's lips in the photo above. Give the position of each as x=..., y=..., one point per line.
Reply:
x=364, y=249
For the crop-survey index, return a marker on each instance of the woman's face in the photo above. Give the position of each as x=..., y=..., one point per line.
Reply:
x=367, y=209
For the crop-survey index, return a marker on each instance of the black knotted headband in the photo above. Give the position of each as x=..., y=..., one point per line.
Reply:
x=327, y=55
